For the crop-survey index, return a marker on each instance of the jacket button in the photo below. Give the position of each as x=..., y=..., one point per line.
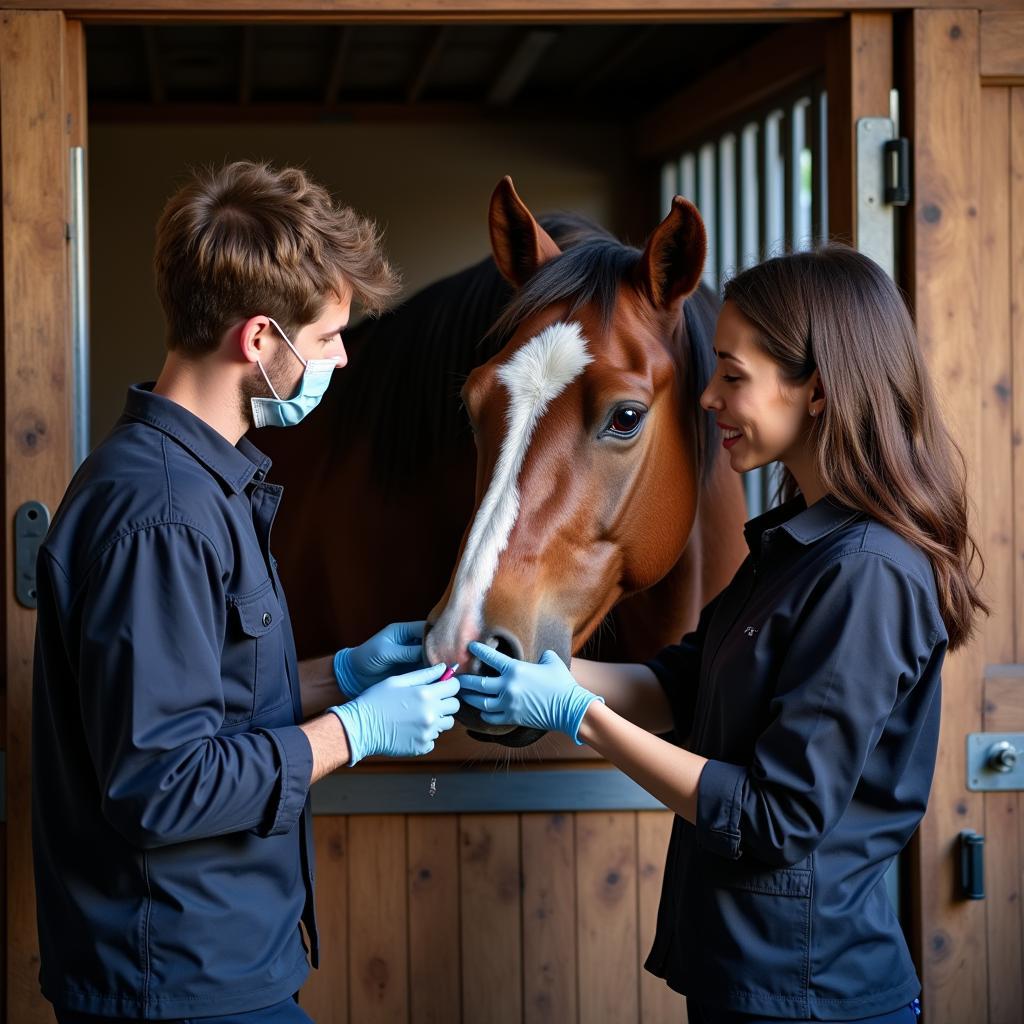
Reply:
x=267, y=618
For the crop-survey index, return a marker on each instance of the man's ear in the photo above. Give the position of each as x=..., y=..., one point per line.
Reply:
x=520, y=245
x=673, y=260
x=253, y=337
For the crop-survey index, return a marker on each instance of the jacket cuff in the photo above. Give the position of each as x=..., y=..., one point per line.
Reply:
x=295, y=761
x=719, y=807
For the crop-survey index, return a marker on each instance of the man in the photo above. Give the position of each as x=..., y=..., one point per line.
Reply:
x=174, y=737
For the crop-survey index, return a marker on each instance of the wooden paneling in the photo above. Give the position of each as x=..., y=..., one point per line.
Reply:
x=36, y=325
x=1003, y=694
x=491, y=919
x=549, y=918
x=658, y=1003
x=434, y=962
x=950, y=933
x=607, y=916
x=1002, y=46
x=1016, y=259
x=503, y=917
x=858, y=79
x=378, y=921
x=325, y=995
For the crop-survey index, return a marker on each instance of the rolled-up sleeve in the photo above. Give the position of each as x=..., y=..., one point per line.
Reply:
x=677, y=668
x=150, y=628
x=866, y=634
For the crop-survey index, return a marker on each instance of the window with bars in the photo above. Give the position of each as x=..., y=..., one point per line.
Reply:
x=761, y=185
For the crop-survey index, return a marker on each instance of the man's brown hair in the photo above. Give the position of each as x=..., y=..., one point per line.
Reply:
x=246, y=238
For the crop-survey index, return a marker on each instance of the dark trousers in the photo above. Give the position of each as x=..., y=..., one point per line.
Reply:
x=698, y=1014
x=287, y=1011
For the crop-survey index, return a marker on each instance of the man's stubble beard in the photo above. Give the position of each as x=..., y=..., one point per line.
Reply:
x=254, y=386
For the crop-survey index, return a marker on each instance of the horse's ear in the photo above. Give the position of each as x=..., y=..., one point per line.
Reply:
x=673, y=261
x=519, y=243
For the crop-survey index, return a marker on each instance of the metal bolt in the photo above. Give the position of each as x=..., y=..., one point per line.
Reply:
x=1002, y=756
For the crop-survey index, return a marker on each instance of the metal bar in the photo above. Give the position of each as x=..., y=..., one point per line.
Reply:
x=79, y=276
x=669, y=186
x=706, y=180
x=726, y=192
x=597, y=789
x=786, y=153
x=819, y=165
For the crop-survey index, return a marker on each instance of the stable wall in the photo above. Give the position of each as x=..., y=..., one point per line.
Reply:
x=427, y=184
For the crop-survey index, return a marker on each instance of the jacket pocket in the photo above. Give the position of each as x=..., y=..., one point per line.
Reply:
x=254, y=676
x=755, y=932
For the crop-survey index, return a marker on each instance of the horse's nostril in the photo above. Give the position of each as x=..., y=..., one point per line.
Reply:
x=506, y=643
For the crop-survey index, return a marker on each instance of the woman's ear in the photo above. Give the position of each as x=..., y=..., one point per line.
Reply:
x=817, y=402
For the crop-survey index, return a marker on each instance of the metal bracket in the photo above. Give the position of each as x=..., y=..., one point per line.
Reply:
x=874, y=225
x=31, y=522
x=995, y=761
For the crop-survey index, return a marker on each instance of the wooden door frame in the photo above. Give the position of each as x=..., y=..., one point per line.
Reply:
x=47, y=106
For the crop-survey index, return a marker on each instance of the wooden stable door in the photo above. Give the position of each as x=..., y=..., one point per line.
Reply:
x=42, y=115
x=966, y=275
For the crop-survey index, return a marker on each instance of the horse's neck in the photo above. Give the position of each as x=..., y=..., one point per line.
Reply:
x=660, y=615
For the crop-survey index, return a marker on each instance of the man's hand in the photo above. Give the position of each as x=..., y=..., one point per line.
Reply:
x=401, y=716
x=398, y=646
x=541, y=696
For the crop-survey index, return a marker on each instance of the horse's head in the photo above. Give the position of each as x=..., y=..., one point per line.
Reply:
x=587, y=457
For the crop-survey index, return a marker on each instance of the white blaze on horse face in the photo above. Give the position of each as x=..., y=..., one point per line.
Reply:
x=535, y=375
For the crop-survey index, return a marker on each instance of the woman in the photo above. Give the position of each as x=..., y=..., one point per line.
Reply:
x=806, y=702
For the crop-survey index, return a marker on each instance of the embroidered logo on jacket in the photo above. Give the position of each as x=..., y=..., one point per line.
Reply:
x=750, y=630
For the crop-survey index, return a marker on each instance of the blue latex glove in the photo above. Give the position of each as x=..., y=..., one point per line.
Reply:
x=542, y=696
x=399, y=645
x=401, y=716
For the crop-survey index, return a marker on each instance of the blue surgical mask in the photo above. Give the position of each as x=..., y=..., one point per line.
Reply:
x=286, y=412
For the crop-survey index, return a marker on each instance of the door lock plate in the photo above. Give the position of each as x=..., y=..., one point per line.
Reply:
x=995, y=761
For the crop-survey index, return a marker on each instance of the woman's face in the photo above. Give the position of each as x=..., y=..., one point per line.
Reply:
x=762, y=416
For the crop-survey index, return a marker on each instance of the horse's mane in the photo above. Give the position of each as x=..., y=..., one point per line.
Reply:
x=406, y=369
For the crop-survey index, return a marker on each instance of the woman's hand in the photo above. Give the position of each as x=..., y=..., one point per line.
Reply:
x=541, y=696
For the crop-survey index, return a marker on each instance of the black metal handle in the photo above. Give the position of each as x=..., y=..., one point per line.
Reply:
x=972, y=865
x=31, y=522
x=897, y=171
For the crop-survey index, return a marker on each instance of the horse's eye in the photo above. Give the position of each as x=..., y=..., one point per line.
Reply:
x=625, y=421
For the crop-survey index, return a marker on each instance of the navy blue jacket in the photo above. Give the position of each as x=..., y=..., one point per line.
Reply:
x=812, y=686
x=171, y=819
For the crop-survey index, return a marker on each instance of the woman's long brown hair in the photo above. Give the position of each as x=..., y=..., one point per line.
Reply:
x=880, y=443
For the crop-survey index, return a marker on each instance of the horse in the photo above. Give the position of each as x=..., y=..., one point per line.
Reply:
x=602, y=494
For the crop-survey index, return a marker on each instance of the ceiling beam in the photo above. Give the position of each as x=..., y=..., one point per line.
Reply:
x=246, y=64
x=436, y=39
x=770, y=66
x=611, y=62
x=342, y=46
x=156, y=82
x=522, y=60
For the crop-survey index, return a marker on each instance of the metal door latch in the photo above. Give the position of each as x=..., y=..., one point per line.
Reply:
x=31, y=522
x=972, y=865
x=995, y=761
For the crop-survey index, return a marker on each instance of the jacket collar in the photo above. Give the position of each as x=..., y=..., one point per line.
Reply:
x=805, y=525
x=235, y=465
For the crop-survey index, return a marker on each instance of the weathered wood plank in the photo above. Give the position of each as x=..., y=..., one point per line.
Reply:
x=434, y=963
x=859, y=76
x=607, y=916
x=325, y=995
x=658, y=1003
x=491, y=918
x=37, y=410
x=549, y=918
x=944, y=241
x=1002, y=46
x=483, y=10
x=378, y=923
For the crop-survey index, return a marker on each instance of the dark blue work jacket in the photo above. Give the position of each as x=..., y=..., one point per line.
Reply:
x=812, y=686
x=171, y=820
